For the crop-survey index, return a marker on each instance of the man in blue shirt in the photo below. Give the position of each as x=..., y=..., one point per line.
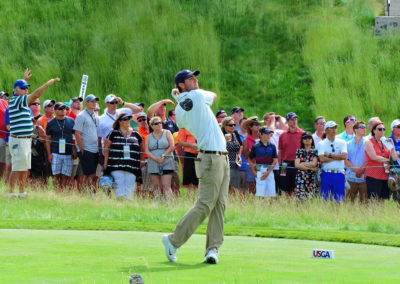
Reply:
x=348, y=133
x=355, y=163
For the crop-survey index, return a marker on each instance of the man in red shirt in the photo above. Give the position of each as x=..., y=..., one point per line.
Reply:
x=3, y=131
x=289, y=142
x=75, y=107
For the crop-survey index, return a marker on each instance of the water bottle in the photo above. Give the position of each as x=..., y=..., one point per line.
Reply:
x=160, y=170
x=386, y=166
x=283, y=169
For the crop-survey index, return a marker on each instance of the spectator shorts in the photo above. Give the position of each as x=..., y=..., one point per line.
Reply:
x=20, y=150
x=288, y=183
x=189, y=171
x=234, y=178
x=242, y=180
x=89, y=162
x=2, y=151
x=62, y=164
x=377, y=188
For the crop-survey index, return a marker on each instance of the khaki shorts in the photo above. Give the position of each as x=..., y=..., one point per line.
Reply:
x=2, y=151
x=8, y=155
x=21, y=151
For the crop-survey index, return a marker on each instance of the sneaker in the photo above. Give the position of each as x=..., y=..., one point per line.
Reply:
x=211, y=256
x=170, y=250
x=22, y=195
x=12, y=195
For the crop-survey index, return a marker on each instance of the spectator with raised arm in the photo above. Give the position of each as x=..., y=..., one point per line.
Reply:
x=21, y=130
x=348, y=133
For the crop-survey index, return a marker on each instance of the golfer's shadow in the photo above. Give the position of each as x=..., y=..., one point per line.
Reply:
x=163, y=266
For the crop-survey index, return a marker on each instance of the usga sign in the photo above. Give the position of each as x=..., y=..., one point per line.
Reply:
x=323, y=253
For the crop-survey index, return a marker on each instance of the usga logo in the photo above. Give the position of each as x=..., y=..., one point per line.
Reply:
x=323, y=253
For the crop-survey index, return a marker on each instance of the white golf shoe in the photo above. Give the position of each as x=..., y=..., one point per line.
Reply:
x=211, y=256
x=170, y=250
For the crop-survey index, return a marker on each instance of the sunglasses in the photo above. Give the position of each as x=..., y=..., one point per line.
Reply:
x=381, y=129
x=157, y=123
x=222, y=116
x=23, y=88
x=35, y=104
x=363, y=127
x=113, y=103
x=141, y=120
x=255, y=124
x=321, y=123
x=230, y=125
x=125, y=118
x=49, y=105
x=61, y=108
x=333, y=148
x=237, y=111
x=351, y=120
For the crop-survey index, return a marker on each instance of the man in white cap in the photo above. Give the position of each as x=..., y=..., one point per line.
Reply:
x=332, y=152
x=111, y=113
x=212, y=167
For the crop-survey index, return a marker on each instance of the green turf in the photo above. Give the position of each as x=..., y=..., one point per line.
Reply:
x=34, y=256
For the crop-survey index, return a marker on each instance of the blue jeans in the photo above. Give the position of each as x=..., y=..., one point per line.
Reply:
x=332, y=186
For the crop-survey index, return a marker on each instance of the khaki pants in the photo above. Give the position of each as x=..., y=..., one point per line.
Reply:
x=357, y=188
x=213, y=174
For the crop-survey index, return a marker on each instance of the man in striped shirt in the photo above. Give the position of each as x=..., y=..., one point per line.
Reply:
x=21, y=130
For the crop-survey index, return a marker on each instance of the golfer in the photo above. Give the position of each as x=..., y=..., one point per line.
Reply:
x=193, y=113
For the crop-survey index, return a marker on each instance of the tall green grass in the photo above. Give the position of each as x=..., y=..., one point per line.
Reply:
x=317, y=57
x=353, y=71
x=46, y=208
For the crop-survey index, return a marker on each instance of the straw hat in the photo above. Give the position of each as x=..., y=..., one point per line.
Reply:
x=250, y=120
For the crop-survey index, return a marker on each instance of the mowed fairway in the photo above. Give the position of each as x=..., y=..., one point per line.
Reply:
x=43, y=256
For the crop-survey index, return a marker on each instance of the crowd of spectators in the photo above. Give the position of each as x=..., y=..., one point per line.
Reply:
x=146, y=153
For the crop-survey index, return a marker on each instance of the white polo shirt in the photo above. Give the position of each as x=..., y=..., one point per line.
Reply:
x=193, y=112
x=336, y=147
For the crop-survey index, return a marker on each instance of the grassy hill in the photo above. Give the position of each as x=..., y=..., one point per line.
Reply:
x=314, y=57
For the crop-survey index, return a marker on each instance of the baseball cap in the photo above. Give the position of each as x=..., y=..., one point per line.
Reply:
x=395, y=123
x=74, y=99
x=127, y=112
x=59, y=105
x=236, y=109
x=110, y=98
x=182, y=75
x=291, y=115
x=67, y=104
x=140, y=104
x=330, y=124
x=221, y=111
x=91, y=98
x=141, y=114
x=265, y=130
x=2, y=93
x=47, y=102
x=21, y=83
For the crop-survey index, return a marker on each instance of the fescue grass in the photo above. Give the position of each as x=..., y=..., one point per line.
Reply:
x=374, y=223
x=316, y=57
x=30, y=256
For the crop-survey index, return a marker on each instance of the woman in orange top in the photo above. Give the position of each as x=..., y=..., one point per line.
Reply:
x=190, y=151
x=377, y=169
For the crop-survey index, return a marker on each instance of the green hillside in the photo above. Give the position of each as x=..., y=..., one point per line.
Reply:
x=308, y=56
